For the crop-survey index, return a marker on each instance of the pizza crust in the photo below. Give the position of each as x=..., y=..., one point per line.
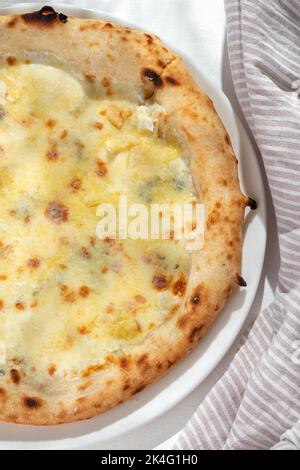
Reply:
x=119, y=61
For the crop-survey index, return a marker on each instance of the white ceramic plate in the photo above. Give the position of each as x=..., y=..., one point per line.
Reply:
x=189, y=373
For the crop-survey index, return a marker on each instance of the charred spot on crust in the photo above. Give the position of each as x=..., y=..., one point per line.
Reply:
x=63, y=18
x=56, y=212
x=152, y=76
x=139, y=389
x=227, y=292
x=84, y=291
x=32, y=402
x=170, y=363
x=161, y=64
x=252, y=203
x=241, y=282
x=108, y=26
x=64, y=134
x=196, y=298
x=84, y=253
x=124, y=363
x=182, y=322
x=101, y=169
x=81, y=400
x=160, y=282
x=195, y=333
x=15, y=376
x=227, y=139
x=47, y=15
x=172, y=81
x=20, y=306
x=11, y=60
x=51, y=123
x=126, y=386
x=179, y=287
x=149, y=38
x=52, y=370
x=213, y=218
x=75, y=185
x=143, y=361
x=190, y=136
x=12, y=22
x=33, y=263
x=90, y=77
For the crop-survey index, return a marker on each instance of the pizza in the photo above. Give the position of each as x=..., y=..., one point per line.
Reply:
x=91, y=111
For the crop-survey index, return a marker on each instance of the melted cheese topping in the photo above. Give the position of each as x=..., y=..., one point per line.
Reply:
x=67, y=299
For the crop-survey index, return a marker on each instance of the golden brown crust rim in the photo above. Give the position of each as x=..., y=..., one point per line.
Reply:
x=120, y=60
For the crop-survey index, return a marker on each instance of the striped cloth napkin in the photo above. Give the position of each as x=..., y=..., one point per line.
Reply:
x=256, y=404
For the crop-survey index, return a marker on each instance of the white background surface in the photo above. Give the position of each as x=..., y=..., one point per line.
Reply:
x=191, y=26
